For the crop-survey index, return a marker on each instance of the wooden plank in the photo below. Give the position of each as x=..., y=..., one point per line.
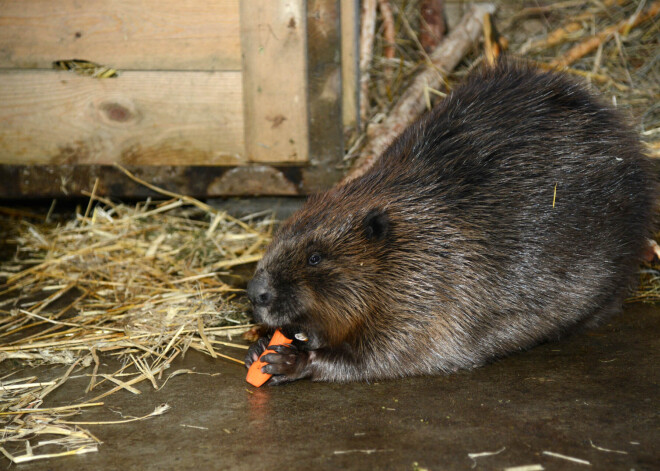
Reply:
x=57, y=181
x=326, y=146
x=139, y=118
x=350, y=27
x=273, y=35
x=124, y=34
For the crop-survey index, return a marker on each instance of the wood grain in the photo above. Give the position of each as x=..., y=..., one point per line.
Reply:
x=275, y=80
x=139, y=118
x=123, y=34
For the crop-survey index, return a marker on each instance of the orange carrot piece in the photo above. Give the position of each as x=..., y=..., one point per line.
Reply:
x=255, y=376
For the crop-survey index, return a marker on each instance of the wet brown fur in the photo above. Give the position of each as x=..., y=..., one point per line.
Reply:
x=449, y=253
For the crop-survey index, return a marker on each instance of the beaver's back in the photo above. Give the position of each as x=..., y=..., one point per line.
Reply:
x=530, y=196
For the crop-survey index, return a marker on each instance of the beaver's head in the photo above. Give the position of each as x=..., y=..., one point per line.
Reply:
x=320, y=275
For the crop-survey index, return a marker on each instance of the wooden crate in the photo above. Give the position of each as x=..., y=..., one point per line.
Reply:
x=212, y=97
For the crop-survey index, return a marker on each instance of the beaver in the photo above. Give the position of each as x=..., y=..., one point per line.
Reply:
x=515, y=211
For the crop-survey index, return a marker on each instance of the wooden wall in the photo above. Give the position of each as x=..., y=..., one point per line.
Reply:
x=212, y=97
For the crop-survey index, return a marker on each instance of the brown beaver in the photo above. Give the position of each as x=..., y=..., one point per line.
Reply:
x=513, y=212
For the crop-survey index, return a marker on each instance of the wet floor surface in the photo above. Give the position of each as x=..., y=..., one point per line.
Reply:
x=594, y=389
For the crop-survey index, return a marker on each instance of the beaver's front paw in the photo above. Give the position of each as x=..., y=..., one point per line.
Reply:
x=287, y=364
x=255, y=350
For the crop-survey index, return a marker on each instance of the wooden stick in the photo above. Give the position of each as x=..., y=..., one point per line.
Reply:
x=389, y=36
x=553, y=38
x=493, y=44
x=623, y=27
x=388, y=28
x=367, y=32
x=433, y=26
x=411, y=104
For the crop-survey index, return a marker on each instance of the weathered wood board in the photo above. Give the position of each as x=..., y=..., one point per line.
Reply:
x=275, y=80
x=213, y=97
x=138, y=118
x=324, y=90
x=123, y=34
x=53, y=181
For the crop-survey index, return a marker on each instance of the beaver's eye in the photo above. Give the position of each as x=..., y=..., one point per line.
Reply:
x=314, y=259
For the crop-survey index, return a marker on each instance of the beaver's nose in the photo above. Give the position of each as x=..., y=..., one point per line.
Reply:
x=259, y=290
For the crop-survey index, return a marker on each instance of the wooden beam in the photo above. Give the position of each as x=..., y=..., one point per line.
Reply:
x=138, y=118
x=326, y=139
x=123, y=34
x=69, y=181
x=273, y=35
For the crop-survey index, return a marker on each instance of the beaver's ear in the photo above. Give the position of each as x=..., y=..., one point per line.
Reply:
x=376, y=224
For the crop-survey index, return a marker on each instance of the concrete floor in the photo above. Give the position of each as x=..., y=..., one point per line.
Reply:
x=599, y=387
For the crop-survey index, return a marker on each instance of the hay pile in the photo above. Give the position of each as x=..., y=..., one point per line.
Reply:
x=143, y=283
x=612, y=44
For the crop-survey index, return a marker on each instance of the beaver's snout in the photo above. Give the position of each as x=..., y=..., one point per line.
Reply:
x=259, y=290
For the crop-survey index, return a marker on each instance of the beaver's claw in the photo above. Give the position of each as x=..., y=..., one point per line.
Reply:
x=287, y=364
x=255, y=350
